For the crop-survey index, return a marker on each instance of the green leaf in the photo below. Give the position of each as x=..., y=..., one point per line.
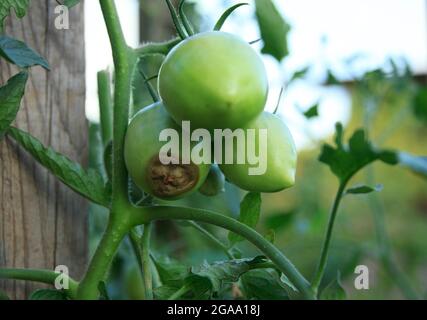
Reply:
x=70, y=3
x=19, y=6
x=164, y=292
x=345, y=161
x=334, y=290
x=250, y=209
x=10, y=99
x=312, y=112
x=263, y=284
x=171, y=273
x=331, y=79
x=88, y=183
x=299, y=74
x=416, y=164
x=363, y=189
x=273, y=28
x=226, y=14
x=17, y=52
x=419, y=104
x=48, y=294
x=221, y=272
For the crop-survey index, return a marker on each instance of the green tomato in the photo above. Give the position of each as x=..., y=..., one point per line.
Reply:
x=214, y=80
x=214, y=183
x=281, y=157
x=142, y=156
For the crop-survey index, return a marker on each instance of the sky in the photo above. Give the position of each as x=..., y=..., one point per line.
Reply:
x=349, y=37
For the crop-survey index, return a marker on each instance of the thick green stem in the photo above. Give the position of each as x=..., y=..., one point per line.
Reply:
x=212, y=238
x=118, y=227
x=124, y=65
x=326, y=244
x=101, y=261
x=105, y=106
x=146, y=261
x=147, y=214
x=38, y=275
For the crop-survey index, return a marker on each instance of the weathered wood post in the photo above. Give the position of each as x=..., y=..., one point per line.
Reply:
x=42, y=223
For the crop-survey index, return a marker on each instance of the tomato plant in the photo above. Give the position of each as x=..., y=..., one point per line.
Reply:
x=215, y=80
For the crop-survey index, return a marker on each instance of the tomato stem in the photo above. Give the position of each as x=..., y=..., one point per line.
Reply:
x=326, y=244
x=148, y=277
x=39, y=275
x=124, y=64
x=105, y=106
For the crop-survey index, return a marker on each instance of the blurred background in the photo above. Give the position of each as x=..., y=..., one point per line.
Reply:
x=362, y=63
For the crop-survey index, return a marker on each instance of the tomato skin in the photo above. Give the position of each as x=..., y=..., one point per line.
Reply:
x=215, y=80
x=141, y=151
x=281, y=158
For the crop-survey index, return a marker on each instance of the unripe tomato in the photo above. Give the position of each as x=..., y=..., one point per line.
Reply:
x=141, y=151
x=214, y=183
x=281, y=157
x=214, y=80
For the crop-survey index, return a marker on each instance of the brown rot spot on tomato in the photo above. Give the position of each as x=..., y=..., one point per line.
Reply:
x=171, y=180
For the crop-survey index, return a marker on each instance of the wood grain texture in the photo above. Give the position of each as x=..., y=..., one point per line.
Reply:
x=42, y=223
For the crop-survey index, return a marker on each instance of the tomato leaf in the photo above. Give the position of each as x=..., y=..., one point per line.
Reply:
x=17, y=52
x=70, y=3
x=19, y=6
x=164, y=292
x=171, y=273
x=221, y=272
x=48, y=294
x=250, y=209
x=416, y=164
x=263, y=284
x=312, y=112
x=419, y=104
x=344, y=161
x=273, y=28
x=299, y=74
x=10, y=99
x=334, y=290
x=89, y=184
x=363, y=189
x=331, y=79
x=226, y=14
